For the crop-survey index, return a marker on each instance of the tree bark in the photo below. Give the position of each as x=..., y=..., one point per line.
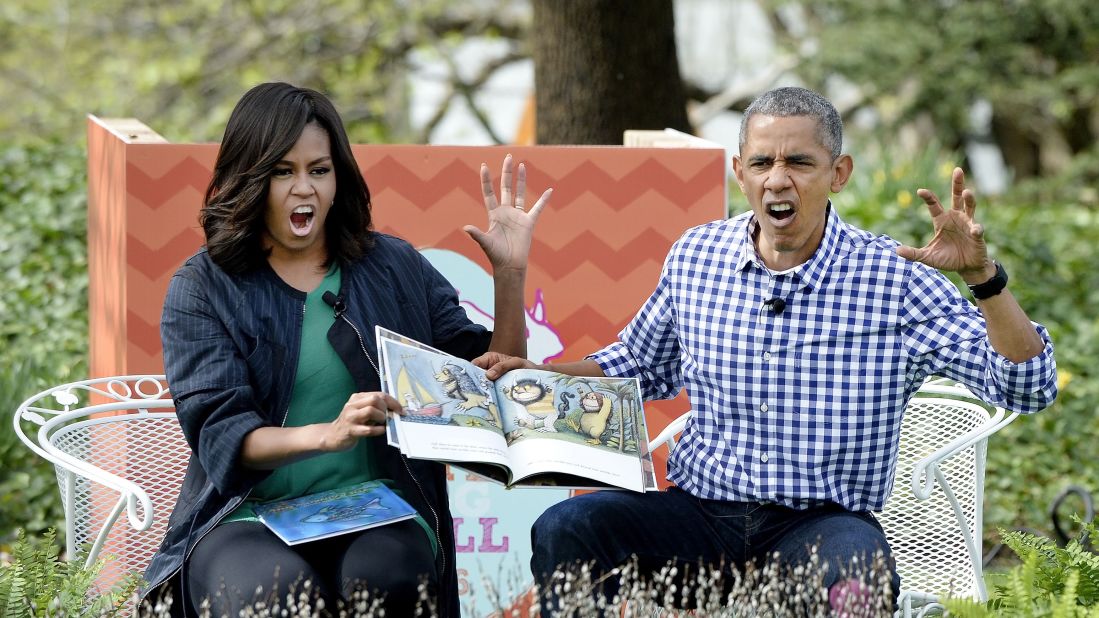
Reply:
x=604, y=66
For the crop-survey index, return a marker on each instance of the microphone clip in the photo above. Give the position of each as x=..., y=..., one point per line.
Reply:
x=776, y=305
x=339, y=307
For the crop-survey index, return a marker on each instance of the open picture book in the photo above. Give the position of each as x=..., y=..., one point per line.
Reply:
x=336, y=511
x=529, y=428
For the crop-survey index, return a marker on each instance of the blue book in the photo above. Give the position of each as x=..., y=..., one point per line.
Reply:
x=333, y=512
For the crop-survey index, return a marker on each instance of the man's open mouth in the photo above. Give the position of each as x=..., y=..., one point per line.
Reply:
x=781, y=211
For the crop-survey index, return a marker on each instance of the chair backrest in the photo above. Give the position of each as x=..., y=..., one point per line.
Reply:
x=933, y=518
x=117, y=448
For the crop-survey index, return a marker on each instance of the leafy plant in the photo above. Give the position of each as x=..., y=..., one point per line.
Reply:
x=29, y=499
x=43, y=312
x=1051, y=581
x=37, y=583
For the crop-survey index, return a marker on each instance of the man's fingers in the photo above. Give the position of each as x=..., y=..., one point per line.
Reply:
x=476, y=234
x=932, y=201
x=970, y=201
x=957, y=188
x=911, y=254
x=486, y=188
x=391, y=403
x=506, y=365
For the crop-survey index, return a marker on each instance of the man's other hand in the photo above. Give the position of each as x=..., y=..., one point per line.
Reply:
x=497, y=364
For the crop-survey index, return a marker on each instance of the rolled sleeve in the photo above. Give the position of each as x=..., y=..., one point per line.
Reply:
x=1029, y=386
x=946, y=335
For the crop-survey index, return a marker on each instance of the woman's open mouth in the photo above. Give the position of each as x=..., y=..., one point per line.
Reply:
x=301, y=220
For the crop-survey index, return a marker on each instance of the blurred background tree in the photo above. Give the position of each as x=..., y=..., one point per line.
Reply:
x=604, y=66
x=1020, y=74
x=181, y=66
x=922, y=86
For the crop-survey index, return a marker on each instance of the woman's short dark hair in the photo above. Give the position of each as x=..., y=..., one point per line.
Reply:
x=263, y=127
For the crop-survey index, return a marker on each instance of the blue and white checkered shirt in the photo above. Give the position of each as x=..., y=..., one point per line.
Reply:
x=804, y=405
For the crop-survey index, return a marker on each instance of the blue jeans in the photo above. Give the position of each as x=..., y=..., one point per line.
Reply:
x=610, y=527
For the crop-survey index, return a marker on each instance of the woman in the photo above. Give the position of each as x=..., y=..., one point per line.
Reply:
x=269, y=353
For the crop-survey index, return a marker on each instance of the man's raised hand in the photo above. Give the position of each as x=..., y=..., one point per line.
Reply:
x=958, y=244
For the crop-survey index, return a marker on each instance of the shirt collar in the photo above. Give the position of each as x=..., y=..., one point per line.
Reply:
x=812, y=272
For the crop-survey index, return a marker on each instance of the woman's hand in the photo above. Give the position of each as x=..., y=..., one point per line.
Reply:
x=363, y=416
x=510, y=224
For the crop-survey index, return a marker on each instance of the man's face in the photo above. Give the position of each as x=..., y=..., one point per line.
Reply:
x=787, y=173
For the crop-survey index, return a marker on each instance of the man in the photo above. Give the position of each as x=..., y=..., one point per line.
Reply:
x=800, y=339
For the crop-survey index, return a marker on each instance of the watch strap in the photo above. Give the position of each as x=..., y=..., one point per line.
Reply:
x=993, y=286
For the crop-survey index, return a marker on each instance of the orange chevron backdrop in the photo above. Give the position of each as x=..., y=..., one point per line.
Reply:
x=596, y=257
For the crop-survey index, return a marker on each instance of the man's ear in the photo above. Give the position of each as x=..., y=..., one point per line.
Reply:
x=738, y=171
x=841, y=172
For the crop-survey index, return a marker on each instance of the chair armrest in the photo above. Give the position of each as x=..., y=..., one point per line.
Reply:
x=133, y=494
x=667, y=436
x=924, y=471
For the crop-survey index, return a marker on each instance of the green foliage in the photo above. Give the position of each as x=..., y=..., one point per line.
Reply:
x=43, y=312
x=37, y=583
x=181, y=66
x=43, y=258
x=1051, y=581
x=29, y=499
x=1035, y=62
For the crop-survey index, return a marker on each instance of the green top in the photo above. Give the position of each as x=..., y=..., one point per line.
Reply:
x=321, y=388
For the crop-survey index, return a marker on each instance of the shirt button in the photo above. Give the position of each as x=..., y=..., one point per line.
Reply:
x=763, y=407
x=764, y=458
x=766, y=356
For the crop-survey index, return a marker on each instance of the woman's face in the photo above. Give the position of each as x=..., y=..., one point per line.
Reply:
x=299, y=196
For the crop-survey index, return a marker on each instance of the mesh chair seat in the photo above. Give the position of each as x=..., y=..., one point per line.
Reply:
x=116, y=447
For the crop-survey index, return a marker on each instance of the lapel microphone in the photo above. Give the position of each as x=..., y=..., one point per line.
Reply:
x=336, y=302
x=776, y=305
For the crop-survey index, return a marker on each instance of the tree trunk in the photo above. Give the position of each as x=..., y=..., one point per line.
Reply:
x=604, y=66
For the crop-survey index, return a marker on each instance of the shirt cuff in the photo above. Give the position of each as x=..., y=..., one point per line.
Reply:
x=616, y=361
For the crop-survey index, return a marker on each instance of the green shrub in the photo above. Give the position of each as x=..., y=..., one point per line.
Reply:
x=37, y=583
x=29, y=497
x=43, y=260
x=43, y=313
x=1051, y=581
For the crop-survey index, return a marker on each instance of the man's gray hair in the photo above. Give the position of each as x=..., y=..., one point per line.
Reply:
x=794, y=101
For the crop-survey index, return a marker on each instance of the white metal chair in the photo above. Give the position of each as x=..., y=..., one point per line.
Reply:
x=116, y=446
x=934, y=521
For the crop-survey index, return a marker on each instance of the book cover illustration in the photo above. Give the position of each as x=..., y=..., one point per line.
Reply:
x=334, y=512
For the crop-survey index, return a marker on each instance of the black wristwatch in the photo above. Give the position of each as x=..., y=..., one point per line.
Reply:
x=993, y=286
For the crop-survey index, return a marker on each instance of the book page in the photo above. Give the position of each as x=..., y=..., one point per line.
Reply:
x=581, y=426
x=450, y=409
x=381, y=333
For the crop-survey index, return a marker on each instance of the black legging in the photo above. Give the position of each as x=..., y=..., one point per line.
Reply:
x=235, y=559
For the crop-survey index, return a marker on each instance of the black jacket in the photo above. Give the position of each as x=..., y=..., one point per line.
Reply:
x=231, y=346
